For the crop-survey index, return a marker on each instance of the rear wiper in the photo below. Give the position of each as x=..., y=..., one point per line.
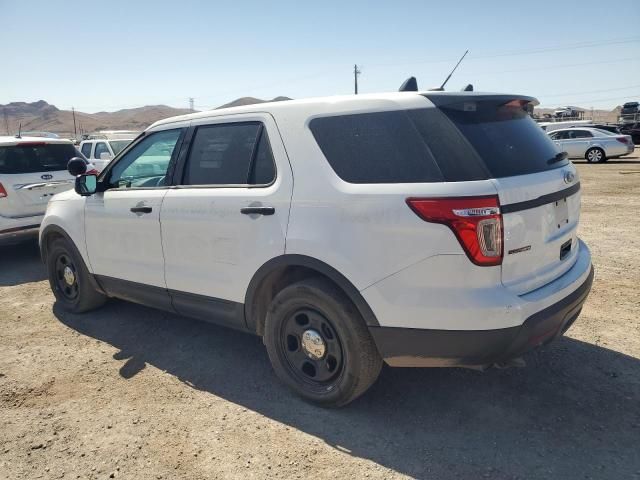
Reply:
x=558, y=158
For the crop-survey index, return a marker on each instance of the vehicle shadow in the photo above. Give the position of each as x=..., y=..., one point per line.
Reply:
x=572, y=413
x=20, y=263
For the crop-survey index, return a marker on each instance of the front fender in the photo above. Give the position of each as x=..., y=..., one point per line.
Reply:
x=65, y=218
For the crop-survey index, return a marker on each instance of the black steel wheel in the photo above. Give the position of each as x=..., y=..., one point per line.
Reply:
x=318, y=343
x=66, y=276
x=69, y=278
x=312, y=347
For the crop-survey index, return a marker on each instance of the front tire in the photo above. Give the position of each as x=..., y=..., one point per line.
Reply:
x=319, y=345
x=594, y=155
x=70, y=280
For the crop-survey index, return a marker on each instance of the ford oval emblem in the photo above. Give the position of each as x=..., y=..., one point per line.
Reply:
x=46, y=177
x=569, y=177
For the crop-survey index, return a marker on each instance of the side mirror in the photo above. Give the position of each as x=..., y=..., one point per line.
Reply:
x=86, y=185
x=105, y=156
x=77, y=166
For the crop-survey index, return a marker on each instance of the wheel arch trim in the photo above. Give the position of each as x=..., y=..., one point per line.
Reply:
x=56, y=229
x=296, y=260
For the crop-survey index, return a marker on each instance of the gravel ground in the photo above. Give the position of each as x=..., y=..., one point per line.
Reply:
x=131, y=392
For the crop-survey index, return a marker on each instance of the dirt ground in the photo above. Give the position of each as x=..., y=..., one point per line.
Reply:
x=131, y=392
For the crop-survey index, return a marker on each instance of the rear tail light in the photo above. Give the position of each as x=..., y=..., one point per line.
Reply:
x=475, y=221
x=622, y=139
x=3, y=192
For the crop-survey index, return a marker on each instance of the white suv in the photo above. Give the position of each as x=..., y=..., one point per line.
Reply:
x=422, y=229
x=32, y=170
x=100, y=151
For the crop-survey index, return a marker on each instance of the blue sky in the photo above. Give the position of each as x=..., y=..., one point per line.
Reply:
x=110, y=55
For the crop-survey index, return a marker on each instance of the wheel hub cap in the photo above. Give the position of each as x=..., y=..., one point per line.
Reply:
x=313, y=344
x=69, y=276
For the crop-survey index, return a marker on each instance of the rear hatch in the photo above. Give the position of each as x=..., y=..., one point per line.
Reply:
x=31, y=173
x=538, y=189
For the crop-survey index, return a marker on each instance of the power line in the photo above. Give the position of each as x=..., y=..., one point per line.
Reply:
x=591, y=91
x=548, y=67
x=518, y=52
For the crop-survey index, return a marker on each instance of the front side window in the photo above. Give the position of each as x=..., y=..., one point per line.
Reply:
x=230, y=154
x=101, y=147
x=118, y=145
x=582, y=134
x=86, y=149
x=146, y=164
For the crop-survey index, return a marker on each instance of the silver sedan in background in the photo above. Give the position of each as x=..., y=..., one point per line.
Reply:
x=592, y=144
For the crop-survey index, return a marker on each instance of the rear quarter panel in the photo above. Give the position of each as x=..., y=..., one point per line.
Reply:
x=366, y=232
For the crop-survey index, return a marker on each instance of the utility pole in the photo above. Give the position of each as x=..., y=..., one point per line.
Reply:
x=6, y=120
x=75, y=131
x=191, y=100
x=356, y=72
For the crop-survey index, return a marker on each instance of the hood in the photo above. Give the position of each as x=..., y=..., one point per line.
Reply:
x=66, y=195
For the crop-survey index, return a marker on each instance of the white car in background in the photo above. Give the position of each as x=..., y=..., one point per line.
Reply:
x=32, y=170
x=592, y=144
x=100, y=151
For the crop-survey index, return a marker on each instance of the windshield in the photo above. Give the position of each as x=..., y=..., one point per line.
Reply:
x=118, y=145
x=36, y=157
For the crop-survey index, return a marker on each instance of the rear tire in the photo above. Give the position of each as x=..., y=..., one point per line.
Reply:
x=594, y=155
x=319, y=345
x=70, y=280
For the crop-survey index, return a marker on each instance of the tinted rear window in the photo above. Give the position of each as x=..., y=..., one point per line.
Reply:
x=434, y=145
x=505, y=137
x=379, y=147
x=31, y=158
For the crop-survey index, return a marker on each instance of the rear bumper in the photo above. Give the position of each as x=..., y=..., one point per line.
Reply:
x=411, y=347
x=17, y=229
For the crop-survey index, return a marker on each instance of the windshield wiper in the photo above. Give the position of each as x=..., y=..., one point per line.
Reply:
x=558, y=158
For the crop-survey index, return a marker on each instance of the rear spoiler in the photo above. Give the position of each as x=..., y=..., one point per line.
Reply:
x=443, y=99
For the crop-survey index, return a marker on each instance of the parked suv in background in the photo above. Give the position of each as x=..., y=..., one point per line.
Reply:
x=100, y=151
x=422, y=229
x=32, y=170
x=633, y=130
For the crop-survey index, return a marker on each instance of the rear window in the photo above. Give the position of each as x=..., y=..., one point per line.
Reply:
x=40, y=157
x=505, y=137
x=475, y=141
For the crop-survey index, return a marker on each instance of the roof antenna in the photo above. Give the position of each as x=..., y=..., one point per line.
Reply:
x=409, y=85
x=441, y=89
x=19, y=131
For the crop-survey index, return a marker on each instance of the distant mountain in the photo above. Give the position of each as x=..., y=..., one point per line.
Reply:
x=251, y=101
x=42, y=116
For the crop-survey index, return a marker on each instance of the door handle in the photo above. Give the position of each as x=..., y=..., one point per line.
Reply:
x=141, y=209
x=258, y=210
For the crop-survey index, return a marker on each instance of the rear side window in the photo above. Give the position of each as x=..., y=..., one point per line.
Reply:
x=506, y=138
x=230, y=154
x=36, y=157
x=382, y=147
x=86, y=149
x=581, y=134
